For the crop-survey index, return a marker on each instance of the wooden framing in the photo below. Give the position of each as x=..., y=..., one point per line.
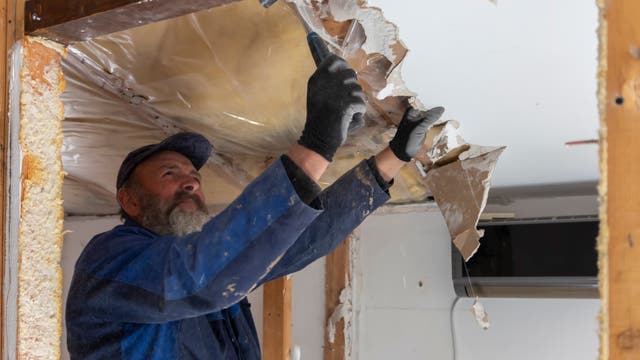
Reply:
x=620, y=179
x=276, y=319
x=67, y=21
x=337, y=275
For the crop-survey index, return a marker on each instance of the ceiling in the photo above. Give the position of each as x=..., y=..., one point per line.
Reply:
x=514, y=73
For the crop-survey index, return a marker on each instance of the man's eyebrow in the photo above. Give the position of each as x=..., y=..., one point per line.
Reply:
x=172, y=166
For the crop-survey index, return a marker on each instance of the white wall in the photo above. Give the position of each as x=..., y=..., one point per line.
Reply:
x=401, y=320
x=529, y=329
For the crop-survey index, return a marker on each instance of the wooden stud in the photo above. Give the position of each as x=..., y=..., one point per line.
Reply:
x=620, y=179
x=276, y=325
x=67, y=21
x=337, y=275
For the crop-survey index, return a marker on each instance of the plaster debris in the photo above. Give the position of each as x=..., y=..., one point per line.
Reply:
x=380, y=33
x=480, y=314
x=344, y=311
x=445, y=142
x=397, y=87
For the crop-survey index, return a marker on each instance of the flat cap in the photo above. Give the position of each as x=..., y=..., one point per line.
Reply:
x=192, y=145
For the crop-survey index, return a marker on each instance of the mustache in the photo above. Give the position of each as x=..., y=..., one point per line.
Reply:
x=182, y=196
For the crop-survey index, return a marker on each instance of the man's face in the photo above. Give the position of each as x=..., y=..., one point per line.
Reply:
x=167, y=195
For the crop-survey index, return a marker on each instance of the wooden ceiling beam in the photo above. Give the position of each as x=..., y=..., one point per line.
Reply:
x=69, y=21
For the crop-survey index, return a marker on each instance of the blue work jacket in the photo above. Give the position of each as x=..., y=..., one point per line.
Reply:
x=137, y=295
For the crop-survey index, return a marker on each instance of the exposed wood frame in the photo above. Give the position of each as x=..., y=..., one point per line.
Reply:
x=67, y=21
x=276, y=319
x=337, y=275
x=620, y=175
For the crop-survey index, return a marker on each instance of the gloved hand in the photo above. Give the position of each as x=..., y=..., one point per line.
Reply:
x=412, y=131
x=333, y=98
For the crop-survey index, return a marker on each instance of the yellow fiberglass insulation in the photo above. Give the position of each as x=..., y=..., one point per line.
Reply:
x=40, y=230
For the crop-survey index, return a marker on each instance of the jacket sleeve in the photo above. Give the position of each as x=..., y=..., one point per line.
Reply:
x=132, y=275
x=347, y=202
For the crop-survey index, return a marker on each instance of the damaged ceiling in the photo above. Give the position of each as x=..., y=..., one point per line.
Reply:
x=242, y=86
x=237, y=73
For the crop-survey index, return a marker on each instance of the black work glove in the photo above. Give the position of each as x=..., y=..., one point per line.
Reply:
x=335, y=104
x=412, y=131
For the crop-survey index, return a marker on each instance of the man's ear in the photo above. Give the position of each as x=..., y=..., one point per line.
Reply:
x=129, y=202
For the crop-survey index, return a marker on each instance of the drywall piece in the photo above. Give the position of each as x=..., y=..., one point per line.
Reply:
x=461, y=189
x=40, y=231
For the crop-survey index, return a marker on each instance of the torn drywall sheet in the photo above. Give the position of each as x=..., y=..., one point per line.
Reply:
x=460, y=189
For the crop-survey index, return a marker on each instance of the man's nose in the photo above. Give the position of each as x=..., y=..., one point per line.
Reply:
x=190, y=184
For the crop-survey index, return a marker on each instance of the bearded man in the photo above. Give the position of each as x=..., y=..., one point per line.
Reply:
x=171, y=282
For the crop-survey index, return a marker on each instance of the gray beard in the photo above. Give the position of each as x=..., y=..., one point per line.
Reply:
x=183, y=223
x=164, y=218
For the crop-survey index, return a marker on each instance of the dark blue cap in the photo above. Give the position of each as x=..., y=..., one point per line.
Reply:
x=194, y=146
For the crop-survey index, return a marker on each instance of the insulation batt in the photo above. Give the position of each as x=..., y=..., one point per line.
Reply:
x=202, y=73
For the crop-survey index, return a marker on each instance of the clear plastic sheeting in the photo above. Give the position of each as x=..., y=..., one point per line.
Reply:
x=237, y=74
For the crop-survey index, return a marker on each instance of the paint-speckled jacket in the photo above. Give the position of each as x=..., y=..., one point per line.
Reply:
x=137, y=295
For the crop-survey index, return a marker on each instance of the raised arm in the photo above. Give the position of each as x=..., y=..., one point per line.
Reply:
x=357, y=194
